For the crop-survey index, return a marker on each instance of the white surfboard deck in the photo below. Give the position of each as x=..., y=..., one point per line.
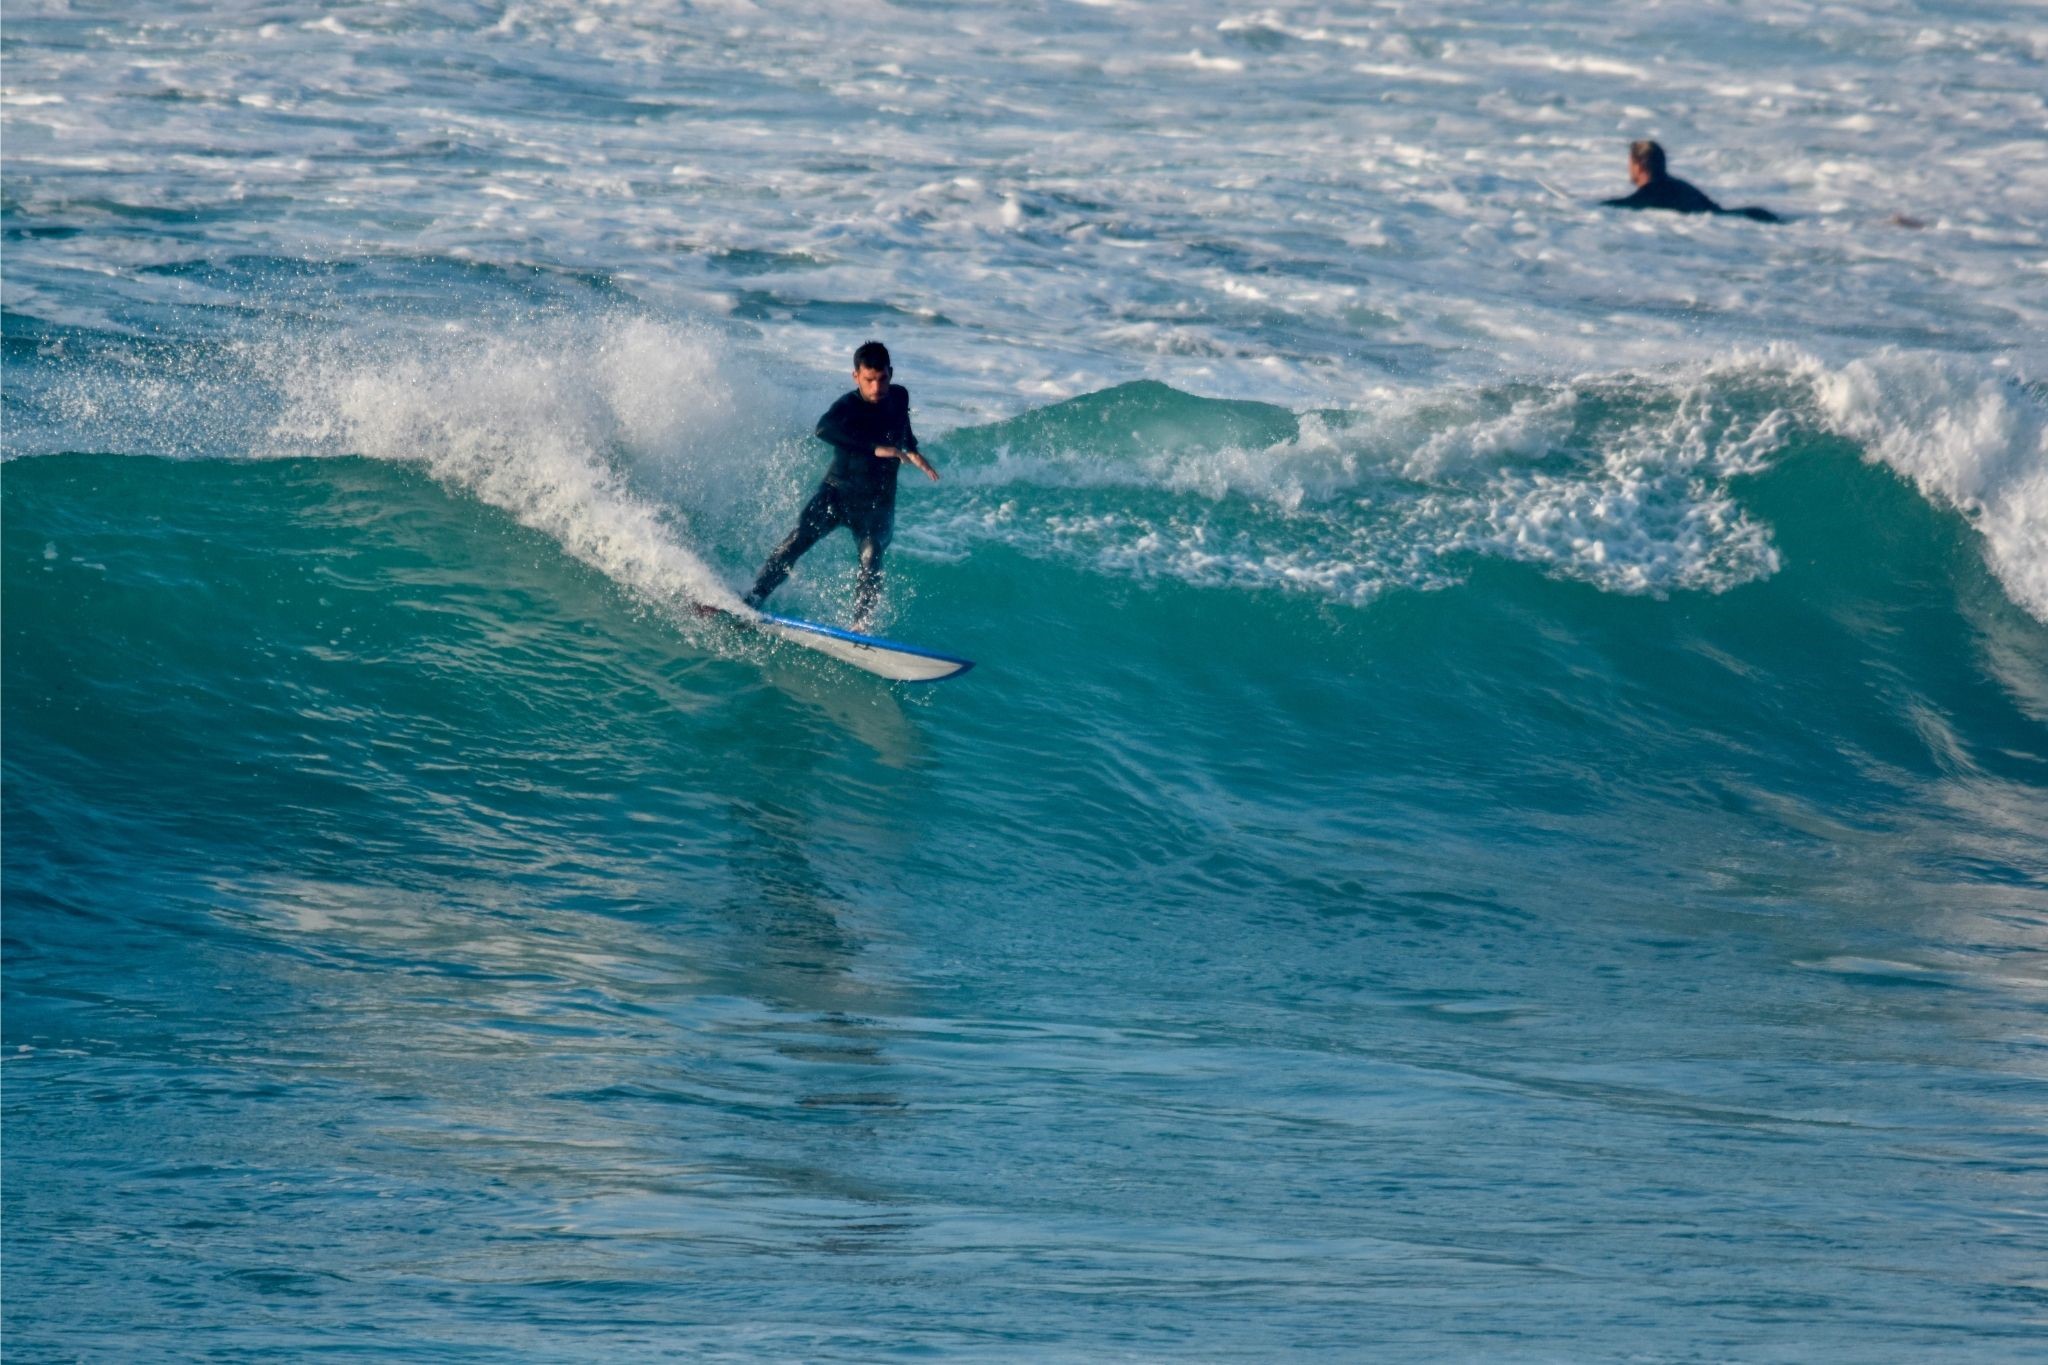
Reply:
x=870, y=653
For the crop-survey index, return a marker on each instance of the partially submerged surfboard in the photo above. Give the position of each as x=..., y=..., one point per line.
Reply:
x=883, y=658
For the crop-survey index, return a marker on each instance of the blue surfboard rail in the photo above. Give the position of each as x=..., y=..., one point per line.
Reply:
x=873, y=641
x=873, y=644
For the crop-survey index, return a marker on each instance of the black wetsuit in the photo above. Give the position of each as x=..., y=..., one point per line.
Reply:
x=1681, y=196
x=858, y=492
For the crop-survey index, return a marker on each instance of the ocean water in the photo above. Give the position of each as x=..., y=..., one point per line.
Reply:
x=1503, y=813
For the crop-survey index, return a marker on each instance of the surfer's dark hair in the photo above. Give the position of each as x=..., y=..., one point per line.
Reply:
x=872, y=355
x=1648, y=155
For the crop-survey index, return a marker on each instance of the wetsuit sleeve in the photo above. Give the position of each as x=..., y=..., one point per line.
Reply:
x=1757, y=215
x=909, y=436
x=1628, y=201
x=837, y=429
x=1671, y=193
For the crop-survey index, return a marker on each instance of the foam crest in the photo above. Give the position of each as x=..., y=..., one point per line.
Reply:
x=1621, y=482
x=1968, y=440
x=568, y=426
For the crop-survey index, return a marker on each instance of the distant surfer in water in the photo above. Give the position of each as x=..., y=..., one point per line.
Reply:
x=1657, y=188
x=869, y=432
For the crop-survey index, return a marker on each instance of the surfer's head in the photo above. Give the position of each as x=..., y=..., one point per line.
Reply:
x=1645, y=162
x=871, y=370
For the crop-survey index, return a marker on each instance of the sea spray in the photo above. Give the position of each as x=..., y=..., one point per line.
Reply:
x=1623, y=481
x=1974, y=441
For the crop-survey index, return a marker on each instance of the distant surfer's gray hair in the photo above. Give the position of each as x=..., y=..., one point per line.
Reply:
x=1648, y=155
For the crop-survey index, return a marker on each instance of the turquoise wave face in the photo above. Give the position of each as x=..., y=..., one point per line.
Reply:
x=1876, y=658
x=387, y=850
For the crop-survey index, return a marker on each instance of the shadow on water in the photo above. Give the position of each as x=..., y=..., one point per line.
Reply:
x=803, y=952
x=853, y=704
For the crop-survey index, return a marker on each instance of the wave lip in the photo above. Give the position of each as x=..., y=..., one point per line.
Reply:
x=1974, y=442
x=576, y=430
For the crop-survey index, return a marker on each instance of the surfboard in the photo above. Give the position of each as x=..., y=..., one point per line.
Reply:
x=884, y=658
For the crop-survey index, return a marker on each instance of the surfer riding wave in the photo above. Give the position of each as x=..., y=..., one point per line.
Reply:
x=869, y=432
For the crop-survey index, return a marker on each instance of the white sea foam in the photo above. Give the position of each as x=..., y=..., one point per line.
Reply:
x=566, y=426
x=1029, y=226
x=1626, y=483
x=1972, y=441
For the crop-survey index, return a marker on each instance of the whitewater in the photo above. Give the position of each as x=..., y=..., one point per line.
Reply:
x=1504, y=808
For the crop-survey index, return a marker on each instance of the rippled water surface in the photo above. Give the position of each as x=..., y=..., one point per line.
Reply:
x=1500, y=814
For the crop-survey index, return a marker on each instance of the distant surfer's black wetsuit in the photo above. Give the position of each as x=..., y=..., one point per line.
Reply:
x=1681, y=196
x=858, y=492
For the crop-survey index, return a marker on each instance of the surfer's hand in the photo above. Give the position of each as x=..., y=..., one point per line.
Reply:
x=922, y=463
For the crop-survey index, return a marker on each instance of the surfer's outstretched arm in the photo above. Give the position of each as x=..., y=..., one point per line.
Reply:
x=908, y=455
x=907, y=450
